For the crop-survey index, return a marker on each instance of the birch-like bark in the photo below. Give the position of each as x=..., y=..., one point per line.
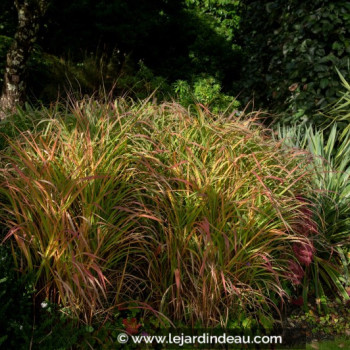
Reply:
x=30, y=13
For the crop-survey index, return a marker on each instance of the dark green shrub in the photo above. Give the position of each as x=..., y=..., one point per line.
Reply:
x=205, y=90
x=292, y=49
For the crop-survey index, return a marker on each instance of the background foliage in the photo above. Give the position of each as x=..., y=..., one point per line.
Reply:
x=283, y=55
x=175, y=40
x=291, y=50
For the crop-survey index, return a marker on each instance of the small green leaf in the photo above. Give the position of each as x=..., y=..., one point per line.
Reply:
x=246, y=323
x=89, y=329
x=324, y=83
x=265, y=321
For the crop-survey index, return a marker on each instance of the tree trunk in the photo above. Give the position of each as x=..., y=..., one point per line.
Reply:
x=30, y=13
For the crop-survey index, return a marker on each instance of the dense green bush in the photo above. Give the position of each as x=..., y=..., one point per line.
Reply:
x=215, y=50
x=205, y=90
x=292, y=49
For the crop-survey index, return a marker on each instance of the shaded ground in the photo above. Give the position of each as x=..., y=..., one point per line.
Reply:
x=323, y=330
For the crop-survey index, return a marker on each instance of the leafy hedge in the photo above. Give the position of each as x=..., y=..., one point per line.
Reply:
x=291, y=51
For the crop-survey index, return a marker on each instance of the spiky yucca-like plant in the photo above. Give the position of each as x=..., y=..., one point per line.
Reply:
x=329, y=152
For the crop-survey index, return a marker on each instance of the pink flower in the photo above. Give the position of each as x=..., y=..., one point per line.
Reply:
x=299, y=301
x=304, y=252
x=308, y=225
x=296, y=273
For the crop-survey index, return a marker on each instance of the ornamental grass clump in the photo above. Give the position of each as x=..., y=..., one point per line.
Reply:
x=192, y=215
x=61, y=189
x=227, y=202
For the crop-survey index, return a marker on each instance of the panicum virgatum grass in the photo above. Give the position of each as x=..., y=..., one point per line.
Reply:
x=192, y=214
